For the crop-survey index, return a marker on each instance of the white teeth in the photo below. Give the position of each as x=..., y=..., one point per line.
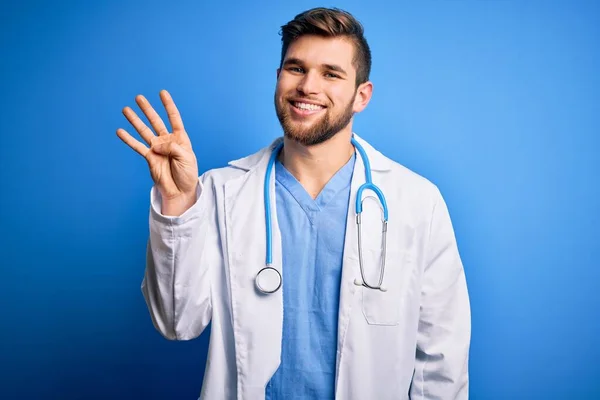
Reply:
x=306, y=106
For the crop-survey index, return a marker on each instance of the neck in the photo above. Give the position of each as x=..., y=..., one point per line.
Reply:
x=314, y=166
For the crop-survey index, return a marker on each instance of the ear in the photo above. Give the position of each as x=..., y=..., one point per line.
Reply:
x=363, y=96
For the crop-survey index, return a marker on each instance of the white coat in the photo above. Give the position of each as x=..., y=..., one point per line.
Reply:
x=410, y=342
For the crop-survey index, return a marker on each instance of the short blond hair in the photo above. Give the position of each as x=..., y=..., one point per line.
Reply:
x=330, y=22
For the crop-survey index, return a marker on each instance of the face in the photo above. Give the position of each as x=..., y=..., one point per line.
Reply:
x=316, y=95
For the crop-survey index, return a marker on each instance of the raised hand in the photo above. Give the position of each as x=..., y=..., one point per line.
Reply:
x=172, y=162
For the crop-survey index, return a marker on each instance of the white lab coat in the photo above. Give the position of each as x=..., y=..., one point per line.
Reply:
x=410, y=342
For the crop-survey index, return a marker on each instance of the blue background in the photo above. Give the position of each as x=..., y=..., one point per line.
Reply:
x=497, y=102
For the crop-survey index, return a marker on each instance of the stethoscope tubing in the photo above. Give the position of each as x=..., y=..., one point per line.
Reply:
x=368, y=185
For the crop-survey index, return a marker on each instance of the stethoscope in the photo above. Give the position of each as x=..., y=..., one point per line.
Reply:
x=268, y=280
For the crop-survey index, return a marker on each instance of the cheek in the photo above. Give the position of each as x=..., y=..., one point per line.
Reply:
x=285, y=84
x=279, y=94
x=342, y=96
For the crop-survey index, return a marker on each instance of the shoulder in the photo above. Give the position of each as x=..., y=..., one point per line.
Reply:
x=414, y=184
x=396, y=177
x=238, y=167
x=409, y=190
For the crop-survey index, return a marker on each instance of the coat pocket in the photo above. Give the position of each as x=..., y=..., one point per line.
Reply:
x=384, y=307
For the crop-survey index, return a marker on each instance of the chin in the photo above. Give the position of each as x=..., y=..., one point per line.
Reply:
x=309, y=138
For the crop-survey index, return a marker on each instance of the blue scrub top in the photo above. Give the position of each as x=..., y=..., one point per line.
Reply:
x=312, y=233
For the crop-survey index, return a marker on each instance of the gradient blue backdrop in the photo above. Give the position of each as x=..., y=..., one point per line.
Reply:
x=497, y=102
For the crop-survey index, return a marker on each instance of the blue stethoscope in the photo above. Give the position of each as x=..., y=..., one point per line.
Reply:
x=268, y=280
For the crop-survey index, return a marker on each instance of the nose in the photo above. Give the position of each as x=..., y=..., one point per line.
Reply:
x=309, y=84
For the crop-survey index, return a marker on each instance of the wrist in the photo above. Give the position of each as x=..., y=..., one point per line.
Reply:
x=174, y=207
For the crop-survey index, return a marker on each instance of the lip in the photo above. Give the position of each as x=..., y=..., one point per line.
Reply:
x=304, y=113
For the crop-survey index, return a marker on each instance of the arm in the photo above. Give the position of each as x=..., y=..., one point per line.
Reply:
x=443, y=339
x=176, y=284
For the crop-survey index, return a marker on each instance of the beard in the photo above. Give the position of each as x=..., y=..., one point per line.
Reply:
x=320, y=131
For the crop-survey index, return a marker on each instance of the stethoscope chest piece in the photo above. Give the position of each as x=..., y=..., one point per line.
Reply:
x=268, y=280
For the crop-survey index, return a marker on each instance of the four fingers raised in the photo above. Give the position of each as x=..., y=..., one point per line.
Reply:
x=155, y=120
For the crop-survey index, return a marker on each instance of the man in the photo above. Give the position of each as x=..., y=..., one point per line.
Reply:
x=361, y=312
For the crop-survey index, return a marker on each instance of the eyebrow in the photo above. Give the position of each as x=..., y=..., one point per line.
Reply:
x=331, y=67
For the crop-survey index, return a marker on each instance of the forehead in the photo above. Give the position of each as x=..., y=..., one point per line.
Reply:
x=317, y=50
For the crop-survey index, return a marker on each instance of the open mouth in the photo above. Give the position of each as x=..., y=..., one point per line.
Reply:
x=306, y=108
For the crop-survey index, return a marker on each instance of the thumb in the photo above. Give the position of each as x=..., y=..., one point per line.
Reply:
x=170, y=149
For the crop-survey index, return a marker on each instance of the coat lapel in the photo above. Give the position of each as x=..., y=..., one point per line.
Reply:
x=371, y=223
x=257, y=318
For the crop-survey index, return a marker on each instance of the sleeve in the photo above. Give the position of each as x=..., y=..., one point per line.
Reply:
x=444, y=333
x=176, y=284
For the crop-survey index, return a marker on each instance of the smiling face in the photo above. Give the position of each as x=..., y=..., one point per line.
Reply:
x=316, y=95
